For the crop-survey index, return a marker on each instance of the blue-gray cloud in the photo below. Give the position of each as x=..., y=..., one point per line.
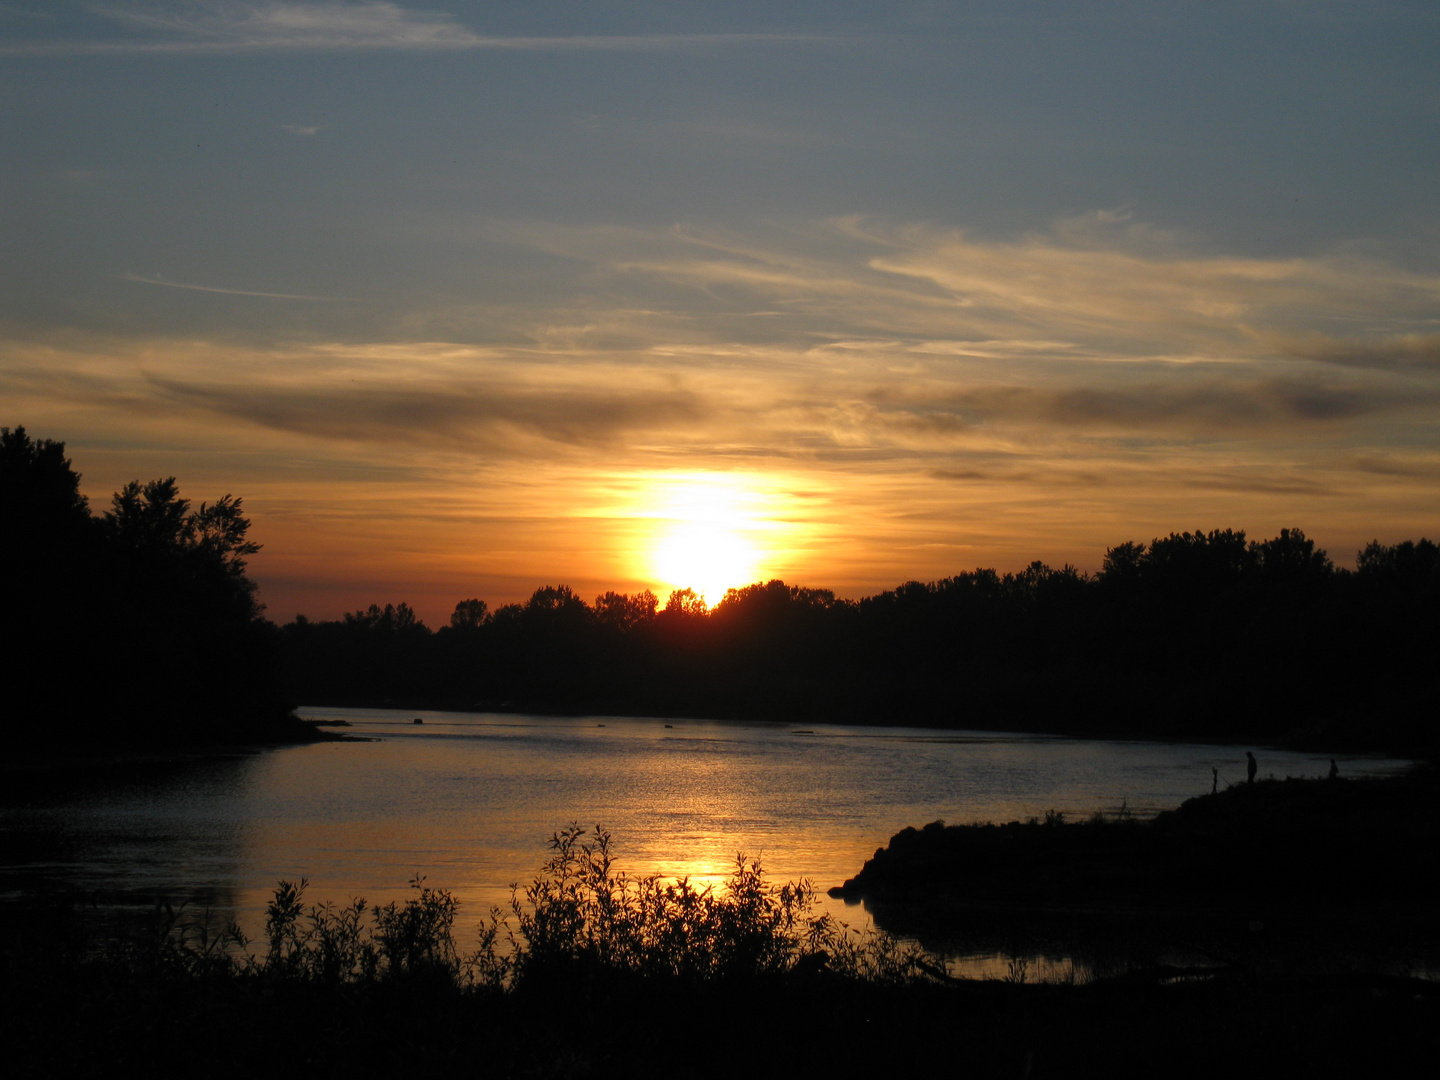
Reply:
x=1419, y=353
x=232, y=26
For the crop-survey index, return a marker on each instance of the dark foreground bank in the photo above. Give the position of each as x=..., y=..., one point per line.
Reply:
x=596, y=974
x=1285, y=876
x=102, y=1020
x=1324, y=844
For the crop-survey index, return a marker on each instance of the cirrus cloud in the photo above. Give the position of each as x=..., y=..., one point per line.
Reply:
x=232, y=26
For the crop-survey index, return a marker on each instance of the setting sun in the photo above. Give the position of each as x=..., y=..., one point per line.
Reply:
x=707, y=535
x=708, y=557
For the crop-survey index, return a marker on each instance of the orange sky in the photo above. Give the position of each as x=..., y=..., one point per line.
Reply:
x=616, y=301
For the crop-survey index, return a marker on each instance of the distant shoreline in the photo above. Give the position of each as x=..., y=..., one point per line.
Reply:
x=52, y=753
x=1310, y=740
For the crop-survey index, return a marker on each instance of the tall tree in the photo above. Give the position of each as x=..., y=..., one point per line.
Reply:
x=139, y=625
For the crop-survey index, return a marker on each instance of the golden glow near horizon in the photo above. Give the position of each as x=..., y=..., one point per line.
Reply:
x=707, y=556
x=711, y=532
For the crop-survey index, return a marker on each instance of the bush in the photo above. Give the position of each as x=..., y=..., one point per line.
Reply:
x=582, y=917
x=579, y=922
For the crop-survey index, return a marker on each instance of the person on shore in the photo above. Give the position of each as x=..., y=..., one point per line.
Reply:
x=1250, y=767
x=1334, y=770
x=1214, y=780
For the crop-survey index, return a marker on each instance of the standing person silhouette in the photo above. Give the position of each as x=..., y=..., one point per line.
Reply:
x=1250, y=767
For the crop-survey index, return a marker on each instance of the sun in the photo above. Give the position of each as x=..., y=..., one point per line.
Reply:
x=705, y=556
x=707, y=535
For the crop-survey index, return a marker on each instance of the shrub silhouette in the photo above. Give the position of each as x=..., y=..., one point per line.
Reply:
x=330, y=944
x=580, y=922
x=582, y=918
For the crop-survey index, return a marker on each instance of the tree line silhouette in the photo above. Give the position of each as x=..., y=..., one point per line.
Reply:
x=141, y=621
x=1201, y=634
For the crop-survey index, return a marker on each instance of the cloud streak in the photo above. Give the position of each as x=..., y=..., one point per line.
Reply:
x=1243, y=405
x=1406, y=352
x=238, y=27
x=877, y=344
x=462, y=414
x=143, y=279
x=920, y=296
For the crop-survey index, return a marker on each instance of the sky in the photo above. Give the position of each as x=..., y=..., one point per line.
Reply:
x=464, y=299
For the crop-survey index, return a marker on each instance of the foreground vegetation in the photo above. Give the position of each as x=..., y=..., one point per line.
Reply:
x=594, y=973
x=581, y=920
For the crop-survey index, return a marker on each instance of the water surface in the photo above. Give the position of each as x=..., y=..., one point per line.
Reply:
x=469, y=800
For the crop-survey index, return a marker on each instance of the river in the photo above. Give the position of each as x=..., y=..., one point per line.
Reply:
x=469, y=801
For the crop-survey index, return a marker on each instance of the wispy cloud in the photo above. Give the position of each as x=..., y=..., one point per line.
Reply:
x=143, y=279
x=223, y=26
x=881, y=343
x=1402, y=352
x=1215, y=407
x=495, y=416
x=861, y=354
x=1406, y=465
x=855, y=294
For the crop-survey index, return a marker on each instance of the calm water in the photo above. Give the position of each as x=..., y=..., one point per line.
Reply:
x=470, y=800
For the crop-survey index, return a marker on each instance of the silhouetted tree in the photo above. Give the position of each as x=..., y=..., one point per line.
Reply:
x=1123, y=567
x=685, y=604
x=1291, y=558
x=624, y=613
x=147, y=611
x=1198, y=565
x=1409, y=566
x=51, y=582
x=469, y=615
x=1394, y=628
x=39, y=491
